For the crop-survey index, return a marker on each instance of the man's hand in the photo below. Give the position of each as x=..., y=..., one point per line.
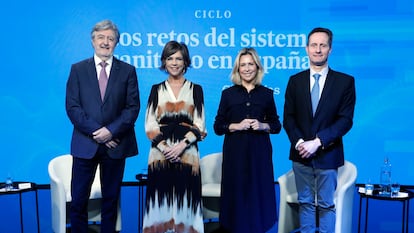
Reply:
x=102, y=135
x=112, y=143
x=307, y=149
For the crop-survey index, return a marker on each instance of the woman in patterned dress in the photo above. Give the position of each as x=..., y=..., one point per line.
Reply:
x=174, y=122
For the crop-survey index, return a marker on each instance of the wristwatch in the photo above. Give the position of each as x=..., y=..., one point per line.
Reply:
x=187, y=141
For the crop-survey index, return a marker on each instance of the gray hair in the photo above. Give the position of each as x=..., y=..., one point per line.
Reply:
x=105, y=25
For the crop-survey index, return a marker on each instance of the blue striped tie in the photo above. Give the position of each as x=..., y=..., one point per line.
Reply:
x=315, y=93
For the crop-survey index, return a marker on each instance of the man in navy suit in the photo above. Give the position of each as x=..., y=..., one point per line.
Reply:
x=316, y=132
x=103, y=125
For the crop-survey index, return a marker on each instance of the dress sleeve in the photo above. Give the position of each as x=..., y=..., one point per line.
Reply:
x=199, y=121
x=271, y=117
x=152, y=127
x=221, y=125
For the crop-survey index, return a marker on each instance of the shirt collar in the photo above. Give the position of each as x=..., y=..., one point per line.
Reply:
x=98, y=60
x=323, y=72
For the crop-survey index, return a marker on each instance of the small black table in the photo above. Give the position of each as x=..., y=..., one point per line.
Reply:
x=142, y=183
x=404, y=198
x=20, y=188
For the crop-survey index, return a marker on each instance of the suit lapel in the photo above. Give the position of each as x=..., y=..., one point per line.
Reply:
x=112, y=77
x=93, y=79
x=327, y=88
x=307, y=90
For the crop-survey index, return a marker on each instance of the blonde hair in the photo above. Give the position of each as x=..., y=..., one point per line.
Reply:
x=235, y=75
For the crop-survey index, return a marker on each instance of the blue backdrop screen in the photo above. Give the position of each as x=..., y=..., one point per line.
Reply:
x=373, y=42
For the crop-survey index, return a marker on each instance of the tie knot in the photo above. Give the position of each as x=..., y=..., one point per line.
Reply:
x=103, y=64
x=316, y=76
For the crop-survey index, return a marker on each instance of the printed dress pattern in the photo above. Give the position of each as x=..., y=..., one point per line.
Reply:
x=173, y=200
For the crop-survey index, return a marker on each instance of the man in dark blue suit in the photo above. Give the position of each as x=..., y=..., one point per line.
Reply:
x=316, y=132
x=102, y=102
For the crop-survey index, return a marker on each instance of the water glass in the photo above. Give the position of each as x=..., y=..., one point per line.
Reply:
x=369, y=188
x=9, y=183
x=395, y=189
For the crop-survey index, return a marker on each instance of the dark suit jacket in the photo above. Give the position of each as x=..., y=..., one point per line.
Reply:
x=118, y=111
x=333, y=117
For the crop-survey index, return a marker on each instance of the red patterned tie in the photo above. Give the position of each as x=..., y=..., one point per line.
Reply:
x=103, y=79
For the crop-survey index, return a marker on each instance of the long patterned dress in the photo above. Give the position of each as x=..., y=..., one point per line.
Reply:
x=173, y=200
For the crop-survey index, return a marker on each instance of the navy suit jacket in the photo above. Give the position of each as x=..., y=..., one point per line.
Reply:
x=333, y=117
x=118, y=110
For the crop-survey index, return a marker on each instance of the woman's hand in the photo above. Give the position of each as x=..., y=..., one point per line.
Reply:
x=249, y=124
x=243, y=125
x=173, y=153
x=257, y=125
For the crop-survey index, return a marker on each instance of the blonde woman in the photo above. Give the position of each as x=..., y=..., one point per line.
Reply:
x=246, y=116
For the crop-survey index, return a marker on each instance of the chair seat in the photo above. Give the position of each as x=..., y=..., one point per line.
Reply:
x=95, y=193
x=211, y=190
x=292, y=198
x=210, y=166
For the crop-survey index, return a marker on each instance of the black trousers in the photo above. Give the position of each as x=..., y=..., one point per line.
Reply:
x=83, y=173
